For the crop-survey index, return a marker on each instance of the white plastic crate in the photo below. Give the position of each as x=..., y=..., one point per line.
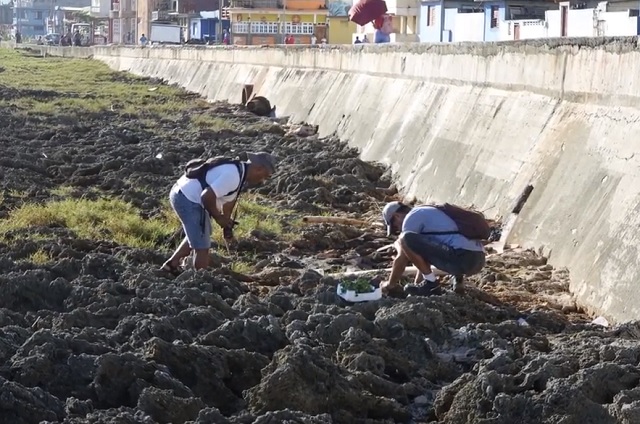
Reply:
x=352, y=296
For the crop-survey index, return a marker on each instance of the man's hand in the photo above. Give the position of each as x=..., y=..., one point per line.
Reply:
x=386, y=286
x=222, y=221
x=227, y=233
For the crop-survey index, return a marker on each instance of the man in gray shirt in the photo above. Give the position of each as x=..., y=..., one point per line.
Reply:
x=428, y=237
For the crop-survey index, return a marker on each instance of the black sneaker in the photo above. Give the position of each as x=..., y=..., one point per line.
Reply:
x=458, y=284
x=426, y=288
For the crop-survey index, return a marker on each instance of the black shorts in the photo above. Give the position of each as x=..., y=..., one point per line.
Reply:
x=444, y=257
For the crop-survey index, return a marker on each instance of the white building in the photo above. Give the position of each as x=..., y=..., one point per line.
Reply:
x=593, y=19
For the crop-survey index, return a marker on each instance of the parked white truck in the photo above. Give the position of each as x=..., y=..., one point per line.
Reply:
x=165, y=34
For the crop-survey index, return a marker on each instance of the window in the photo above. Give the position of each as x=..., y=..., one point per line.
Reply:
x=38, y=28
x=264, y=27
x=470, y=9
x=301, y=28
x=240, y=27
x=495, y=16
x=431, y=15
x=39, y=14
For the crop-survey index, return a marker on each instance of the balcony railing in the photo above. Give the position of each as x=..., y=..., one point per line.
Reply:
x=272, y=28
x=257, y=4
x=159, y=15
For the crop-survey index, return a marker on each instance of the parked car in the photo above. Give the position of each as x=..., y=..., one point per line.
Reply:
x=52, y=39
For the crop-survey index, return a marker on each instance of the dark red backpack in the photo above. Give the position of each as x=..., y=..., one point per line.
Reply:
x=471, y=224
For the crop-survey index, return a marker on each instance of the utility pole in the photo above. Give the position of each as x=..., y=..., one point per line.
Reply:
x=283, y=21
x=219, y=35
x=16, y=11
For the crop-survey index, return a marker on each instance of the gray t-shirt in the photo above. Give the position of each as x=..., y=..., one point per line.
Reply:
x=425, y=219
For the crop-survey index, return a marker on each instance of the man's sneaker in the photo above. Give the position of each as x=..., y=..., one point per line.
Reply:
x=426, y=288
x=458, y=284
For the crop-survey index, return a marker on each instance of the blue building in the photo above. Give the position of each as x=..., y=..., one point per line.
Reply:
x=29, y=17
x=453, y=21
x=6, y=13
x=206, y=26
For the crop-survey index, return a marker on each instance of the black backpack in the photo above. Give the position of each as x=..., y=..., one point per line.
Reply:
x=197, y=169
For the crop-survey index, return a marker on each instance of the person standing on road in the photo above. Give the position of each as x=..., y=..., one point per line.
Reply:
x=428, y=236
x=195, y=201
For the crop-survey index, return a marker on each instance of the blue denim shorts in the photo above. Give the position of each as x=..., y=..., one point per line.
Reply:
x=443, y=257
x=195, y=219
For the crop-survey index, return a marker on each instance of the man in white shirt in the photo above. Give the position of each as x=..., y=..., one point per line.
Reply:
x=195, y=201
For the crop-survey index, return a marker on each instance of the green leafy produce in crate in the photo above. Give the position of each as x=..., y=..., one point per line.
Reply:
x=360, y=285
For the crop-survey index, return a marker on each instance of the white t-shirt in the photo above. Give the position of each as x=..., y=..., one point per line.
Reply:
x=222, y=179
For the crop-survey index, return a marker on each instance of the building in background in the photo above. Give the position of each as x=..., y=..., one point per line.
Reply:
x=456, y=21
x=340, y=28
x=593, y=19
x=181, y=12
x=6, y=12
x=36, y=18
x=123, y=23
x=256, y=22
x=207, y=26
x=29, y=17
x=6, y=19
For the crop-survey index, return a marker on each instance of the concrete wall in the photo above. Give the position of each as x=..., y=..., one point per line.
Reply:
x=472, y=124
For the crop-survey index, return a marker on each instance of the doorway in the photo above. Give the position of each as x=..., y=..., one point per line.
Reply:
x=516, y=31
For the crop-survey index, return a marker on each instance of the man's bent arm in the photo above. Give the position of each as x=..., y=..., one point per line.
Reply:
x=227, y=208
x=399, y=265
x=209, y=198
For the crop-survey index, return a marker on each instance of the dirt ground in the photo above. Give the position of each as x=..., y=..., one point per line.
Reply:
x=92, y=332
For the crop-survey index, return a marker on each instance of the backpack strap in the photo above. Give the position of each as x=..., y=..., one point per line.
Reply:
x=441, y=233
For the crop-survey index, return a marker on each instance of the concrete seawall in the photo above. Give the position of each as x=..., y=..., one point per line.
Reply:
x=469, y=123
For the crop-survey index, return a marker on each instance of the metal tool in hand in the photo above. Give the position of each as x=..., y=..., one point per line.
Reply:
x=227, y=234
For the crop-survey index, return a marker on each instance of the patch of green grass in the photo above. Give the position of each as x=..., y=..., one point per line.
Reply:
x=120, y=222
x=242, y=267
x=83, y=87
x=18, y=194
x=62, y=191
x=39, y=257
x=255, y=214
x=211, y=122
x=104, y=219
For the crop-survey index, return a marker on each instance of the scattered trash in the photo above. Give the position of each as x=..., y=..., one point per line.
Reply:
x=421, y=400
x=601, y=321
x=304, y=130
x=522, y=322
x=159, y=156
x=153, y=88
